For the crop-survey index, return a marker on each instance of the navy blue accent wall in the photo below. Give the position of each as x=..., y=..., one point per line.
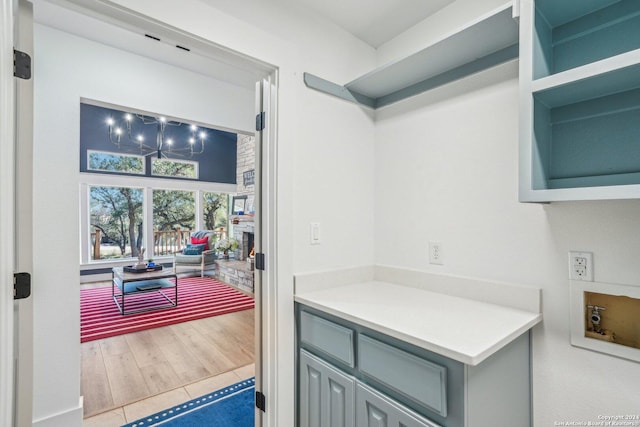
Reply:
x=216, y=164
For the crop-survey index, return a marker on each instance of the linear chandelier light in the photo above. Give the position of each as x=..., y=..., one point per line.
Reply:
x=120, y=135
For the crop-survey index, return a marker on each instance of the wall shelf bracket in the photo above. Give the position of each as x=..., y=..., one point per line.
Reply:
x=322, y=85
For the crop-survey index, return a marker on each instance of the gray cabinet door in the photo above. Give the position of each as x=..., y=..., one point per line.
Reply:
x=327, y=396
x=374, y=409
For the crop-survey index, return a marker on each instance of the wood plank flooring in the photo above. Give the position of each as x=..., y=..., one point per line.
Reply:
x=160, y=402
x=120, y=370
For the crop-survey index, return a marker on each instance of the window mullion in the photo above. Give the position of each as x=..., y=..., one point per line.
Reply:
x=148, y=222
x=199, y=195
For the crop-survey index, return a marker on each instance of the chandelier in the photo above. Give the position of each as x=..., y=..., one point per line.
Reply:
x=129, y=134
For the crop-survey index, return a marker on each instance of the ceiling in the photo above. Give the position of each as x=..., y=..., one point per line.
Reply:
x=125, y=32
x=372, y=21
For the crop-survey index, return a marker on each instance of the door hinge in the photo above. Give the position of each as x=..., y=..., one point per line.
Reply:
x=260, y=121
x=260, y=401
x=21, y=65
x=21, y=285
x=260, y=261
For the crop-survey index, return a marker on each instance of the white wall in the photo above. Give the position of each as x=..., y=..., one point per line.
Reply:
x=446, y=170
x=332, y=157
x=62, y=77
x=438, y=26
x=440, y=166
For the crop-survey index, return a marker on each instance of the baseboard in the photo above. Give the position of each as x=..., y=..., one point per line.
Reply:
x=69, y=418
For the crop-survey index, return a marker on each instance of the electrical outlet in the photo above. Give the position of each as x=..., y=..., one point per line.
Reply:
x=436, y=256
x=581, y=266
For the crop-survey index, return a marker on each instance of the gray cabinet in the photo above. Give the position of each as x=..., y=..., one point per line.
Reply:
x=350, y=375
x=415, y=378
x=374, y=409
x=326, y=394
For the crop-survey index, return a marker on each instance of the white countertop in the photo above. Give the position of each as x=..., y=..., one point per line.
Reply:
x=462, y=329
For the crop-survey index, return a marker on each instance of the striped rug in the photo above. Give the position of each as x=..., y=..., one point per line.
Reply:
x=197, y=298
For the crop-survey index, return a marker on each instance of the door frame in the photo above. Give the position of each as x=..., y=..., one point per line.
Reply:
x=118, y=14
x=266, y=303
x=23, y=243
x=7, y=206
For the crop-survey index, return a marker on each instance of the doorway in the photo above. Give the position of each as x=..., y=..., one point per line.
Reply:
x=57, y=113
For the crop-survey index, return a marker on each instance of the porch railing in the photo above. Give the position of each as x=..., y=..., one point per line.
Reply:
x=169, y=242
x=165, y=242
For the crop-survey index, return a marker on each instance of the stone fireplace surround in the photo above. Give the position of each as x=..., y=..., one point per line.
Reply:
x=241, y=231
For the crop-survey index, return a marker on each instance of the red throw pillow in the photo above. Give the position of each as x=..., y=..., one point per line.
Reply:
x=202, y=241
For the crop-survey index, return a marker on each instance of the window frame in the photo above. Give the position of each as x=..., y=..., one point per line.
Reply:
x=148, y=184
x=88, y=231
x=194, y=163
x=91, y=170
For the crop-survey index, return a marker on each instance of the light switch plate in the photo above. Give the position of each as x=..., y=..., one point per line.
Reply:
x=315, y=233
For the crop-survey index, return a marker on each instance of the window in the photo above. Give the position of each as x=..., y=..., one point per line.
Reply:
x=112, y=162
x=174, y=217
x=141, y=184
x=214, y=210
x=174, y=168
x=115, y=222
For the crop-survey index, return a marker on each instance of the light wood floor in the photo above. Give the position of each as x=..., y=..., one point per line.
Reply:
x=120, y=370
x=160, y=402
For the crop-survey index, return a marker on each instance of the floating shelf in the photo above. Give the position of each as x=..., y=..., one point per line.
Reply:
x=481, y=44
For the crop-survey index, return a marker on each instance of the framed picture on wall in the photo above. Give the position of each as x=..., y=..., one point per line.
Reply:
x=239, y=205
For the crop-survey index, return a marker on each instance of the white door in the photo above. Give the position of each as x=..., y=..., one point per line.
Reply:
x=16, y=116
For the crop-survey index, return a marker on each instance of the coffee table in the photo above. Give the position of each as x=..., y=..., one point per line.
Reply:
x=125, y=284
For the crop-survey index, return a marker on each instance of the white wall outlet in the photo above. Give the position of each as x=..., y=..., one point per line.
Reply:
x=436, y=256
x=315, y=233
x=581, y=266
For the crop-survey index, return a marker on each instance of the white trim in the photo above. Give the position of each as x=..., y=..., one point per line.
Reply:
x=7, y=133
x=275, y=315
x=277, y=312
x=103, y=179
x=69, y=417
x=147, y=213
x=85, y=254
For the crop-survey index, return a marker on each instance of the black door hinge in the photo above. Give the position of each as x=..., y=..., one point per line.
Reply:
x=21, y=285
x=21, y=65
x=260, y=401
x=260, y=121
x=260, y=261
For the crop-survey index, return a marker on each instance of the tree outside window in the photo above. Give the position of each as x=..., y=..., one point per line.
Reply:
x=214, y=210
x=173, y=209
x=116, y=212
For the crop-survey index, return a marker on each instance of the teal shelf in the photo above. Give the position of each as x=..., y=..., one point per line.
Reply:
x=595, y=86
x=575, y=33
x=481, y=44
x=580, y=100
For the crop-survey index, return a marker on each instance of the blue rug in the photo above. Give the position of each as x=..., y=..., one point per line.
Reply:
x=232, y=406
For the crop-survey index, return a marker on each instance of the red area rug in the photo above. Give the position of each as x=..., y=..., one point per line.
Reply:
x=197, y=298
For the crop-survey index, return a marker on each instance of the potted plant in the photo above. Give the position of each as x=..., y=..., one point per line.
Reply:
x=226, y=245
